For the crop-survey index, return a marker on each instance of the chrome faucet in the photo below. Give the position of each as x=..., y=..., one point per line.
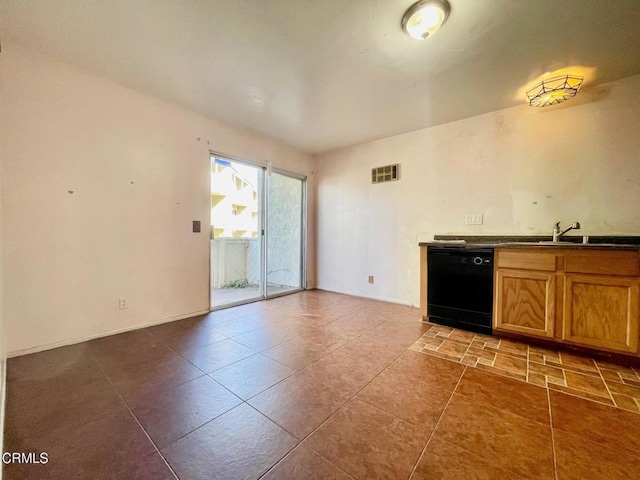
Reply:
x=557, y=233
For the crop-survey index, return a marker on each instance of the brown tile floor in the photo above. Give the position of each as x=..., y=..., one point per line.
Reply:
x=316, y=386
x=581, y=376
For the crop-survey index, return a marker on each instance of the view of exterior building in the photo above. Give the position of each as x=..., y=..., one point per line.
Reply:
x=235, y=251
x=234, y=200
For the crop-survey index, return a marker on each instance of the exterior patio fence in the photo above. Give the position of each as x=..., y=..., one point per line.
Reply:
x=234, y=260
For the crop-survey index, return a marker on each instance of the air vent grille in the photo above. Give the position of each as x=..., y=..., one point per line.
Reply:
x=388, y=173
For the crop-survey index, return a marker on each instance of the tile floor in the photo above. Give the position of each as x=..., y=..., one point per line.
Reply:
x=584, y=377
x=317, y=386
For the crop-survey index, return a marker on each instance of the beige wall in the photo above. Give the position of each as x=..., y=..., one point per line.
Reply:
x=523, y=168
x=3, y=352
x=139, y=171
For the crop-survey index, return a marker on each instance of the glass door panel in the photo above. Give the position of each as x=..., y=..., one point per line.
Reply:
x=285, y=202
x=236, y=232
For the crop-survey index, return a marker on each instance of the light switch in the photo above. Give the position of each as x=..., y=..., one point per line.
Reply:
x=196, y=226
x=473, y=219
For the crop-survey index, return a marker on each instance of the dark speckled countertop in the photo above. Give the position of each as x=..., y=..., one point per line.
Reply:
x=599, y=242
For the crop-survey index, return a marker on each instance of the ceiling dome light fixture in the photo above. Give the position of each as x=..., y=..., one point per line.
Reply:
x=425, y=17
x=553, y=91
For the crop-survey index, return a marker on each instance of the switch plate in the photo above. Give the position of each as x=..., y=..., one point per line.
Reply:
x=370, y=278
x=196, y=226
x=123, y=304
x=473, y=219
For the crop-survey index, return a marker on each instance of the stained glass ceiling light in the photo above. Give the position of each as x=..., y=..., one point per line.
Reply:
x=554, y=90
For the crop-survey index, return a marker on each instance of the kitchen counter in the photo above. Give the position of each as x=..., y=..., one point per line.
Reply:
x=623, y=243
x=568, y=294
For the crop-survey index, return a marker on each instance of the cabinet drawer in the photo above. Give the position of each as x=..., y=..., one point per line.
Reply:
x=610, y=263
x=526, y=260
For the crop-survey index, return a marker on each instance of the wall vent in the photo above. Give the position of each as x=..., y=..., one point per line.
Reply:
x=388, y=173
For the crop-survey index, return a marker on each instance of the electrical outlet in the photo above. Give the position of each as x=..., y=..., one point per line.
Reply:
x=473, y=219
x=123, y=304
x=370, y=278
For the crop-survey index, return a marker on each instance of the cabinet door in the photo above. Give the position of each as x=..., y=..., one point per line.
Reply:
x=601, y=311
x=525, y=302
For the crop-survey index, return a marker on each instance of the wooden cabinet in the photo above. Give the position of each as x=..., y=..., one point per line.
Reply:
x=525, y=292
x=601, y=311
x=525, y=302
x=586, y=298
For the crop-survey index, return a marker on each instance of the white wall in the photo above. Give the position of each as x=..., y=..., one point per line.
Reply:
x=523, y=168
x=139, y=170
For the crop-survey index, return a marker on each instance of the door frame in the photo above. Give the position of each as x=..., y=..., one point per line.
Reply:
x=263, y=227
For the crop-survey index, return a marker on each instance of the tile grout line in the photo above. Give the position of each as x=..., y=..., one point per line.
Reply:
x=124, y=402
x=247, y=400
x=299, y=441
x=346, y=402
x=444, y=356
x=287, y=377
x=349, y=400
x=615, y=404
x=494, y=369
x=449, y=401
x=205, y=374
x=590, y=400
x=564, y=376
x=205, y=423
x=218, y=383
x=270, y=419
x=466, y=352
x=291, y=451
x=559, y=366
x=243, y=401
x=438, y=422
x=208, y=345
x=275, y=423
x=150, y=440
x=553, y=442
x=323, y=422
x=316, y=361
x=126, y=405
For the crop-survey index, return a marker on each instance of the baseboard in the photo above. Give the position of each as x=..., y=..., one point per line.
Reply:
x=64, y=343
x=370, y=297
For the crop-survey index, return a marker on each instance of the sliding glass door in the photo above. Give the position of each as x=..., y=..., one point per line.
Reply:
x=285, y=204
x=236, y=232
x=257, y=233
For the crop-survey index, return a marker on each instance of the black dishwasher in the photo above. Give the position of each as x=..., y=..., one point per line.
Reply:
x=460, y=287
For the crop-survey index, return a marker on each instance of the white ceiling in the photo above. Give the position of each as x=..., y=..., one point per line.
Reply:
x=324, y=74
